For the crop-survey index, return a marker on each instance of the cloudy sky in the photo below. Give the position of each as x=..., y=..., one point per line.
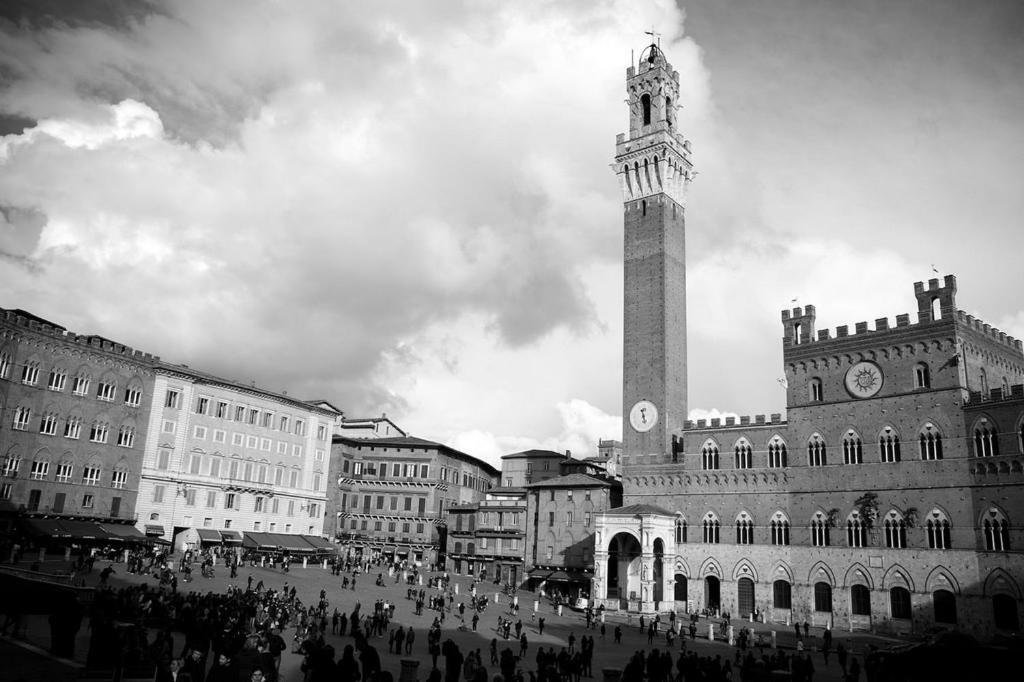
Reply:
x=407, y=207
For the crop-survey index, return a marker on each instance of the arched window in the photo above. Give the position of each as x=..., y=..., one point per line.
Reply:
x=744, y=529
x=899, y=603
x=889, y=445
x=5, y=364
x=798, y=330
x=895, y=530
x=944, y=602
x=986, y=441
x=680, y=530
x=709, y=456
x=814, y=393
x=860, y=600
x=822, y=597
x=780, y=529
x=744, y=458
x=820, y=536
x=853, y=449
x=782, y=593
x=937, y=527
x=645, y=105
x=856, y=530
x=816, y=451
x=777, y=455
x=930, y=443
x=936, y=309
x=996, y=531
x=711, y=528
x=922, y=377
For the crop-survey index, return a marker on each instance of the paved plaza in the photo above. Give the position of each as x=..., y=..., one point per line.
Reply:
x=557, y=629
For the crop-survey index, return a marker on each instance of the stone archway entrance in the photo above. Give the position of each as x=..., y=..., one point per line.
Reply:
x=712, y=593
x=680, y=588
x=745, y=596
x=624, y=568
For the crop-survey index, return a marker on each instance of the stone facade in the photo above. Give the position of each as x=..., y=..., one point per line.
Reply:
x=487, y=540
x=75, y=419
x=226, y=456
x=888, y=498
x=391, y=495
x=530, y=466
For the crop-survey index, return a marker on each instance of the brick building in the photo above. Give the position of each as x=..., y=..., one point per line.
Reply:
x=889, y=496
x=75, y=418
x=487, y=539
x=391, y=495
x=231, y=458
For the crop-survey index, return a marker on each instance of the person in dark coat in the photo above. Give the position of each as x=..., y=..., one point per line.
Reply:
x=348, y=669
x=223, y=670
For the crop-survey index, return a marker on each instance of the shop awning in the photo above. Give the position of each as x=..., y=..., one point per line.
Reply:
x=260, y=541
x=539, y=573
x=559, y=576
x=208, y=535
x=122, y=532
x=294, y=544
x=84, y=530
x=231, y=537
x=154, y=530
x=322, y=545
x=44, y=528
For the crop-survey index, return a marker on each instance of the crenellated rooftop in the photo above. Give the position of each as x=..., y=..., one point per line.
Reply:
x=774, y=419
x=38, y=325
x=995, y=395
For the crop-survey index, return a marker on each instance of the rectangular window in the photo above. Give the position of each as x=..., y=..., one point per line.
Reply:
x=296, y=451
x=586, y=519
x=98, y=433
x=119, y=479
x=380, y=502
x=256, y=526
x=222, y=410
x=321, y=432
x=550, y=552
x=229, y=500
x=22, y=415
x=126, y=437
x=284, y=423
x=424, y=471
x=91, y=476
x=551, y=519
x=288, y=527
x=169, y=426
x=219, y=436
x=40, y=468
x=211, y=498
x=227, y=523
x=158, y=493
x=265, y=444
x=423, y=505
x=58, y=379
x=73, y=427
x=173, y=399
x=419, y=527
x=233, y=469
x=291, y=507
x=33, y=499
x=408, y=504
x=106, y=391
x=282, y=448
x=64, y=471
x=319, y=455
x=248, y=471
x=316, y=482
x=275, y=505
x=239, y=413
x=87, y=501
x=273, y=526
x=163, y=458
x=568, y=518
x=237, y=439
x=568, y=495
x=314, y=510
x=48, y=425
x=300, y=427
x=5, y=365
x=30, y=374
x=252, y=442
x=132, y=397
x=207, y=522
x=254, y=416
x=293, y=479
x=259, y=504
x=80, y=386
x=58, y=503
x=195, y=463
x=202, y=405
x=190, y=497
x=5, y=491
x=267, y=420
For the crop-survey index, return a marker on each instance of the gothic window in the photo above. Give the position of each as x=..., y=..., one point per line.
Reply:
x=899, y=603
x=820, y=536
x=777, y=453
x=822, y=597
x=856, y=530
x=782, y=594
x=853, y=449
x=712, y=529
x=983, y=380
x=889, y=445
x=743, y=455
x=780, y=529
x=744, y=529
x=816, y=451
x=645, y=105
x=895, y=530
x=860, y=600
x=709, y=456
x=680, y=530
x=922, y=377
x=996, y=530
x=986, y=442
x=930, y=443
x=937, y=527
x=814, y=390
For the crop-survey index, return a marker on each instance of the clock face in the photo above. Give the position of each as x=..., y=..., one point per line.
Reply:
x=643, y=416
x=864, y=380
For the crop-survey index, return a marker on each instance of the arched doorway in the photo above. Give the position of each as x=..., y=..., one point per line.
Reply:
x=623, y=568
x=679, y=593
x=745, y=596
x=659, y=571
x=822, y=597
x=712, y=593
x=944, y=602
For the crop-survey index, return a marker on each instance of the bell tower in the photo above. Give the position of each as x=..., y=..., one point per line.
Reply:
x=653, y=166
